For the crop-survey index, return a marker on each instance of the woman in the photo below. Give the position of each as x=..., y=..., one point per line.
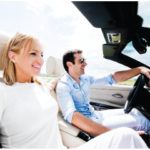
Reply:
x=28, y=113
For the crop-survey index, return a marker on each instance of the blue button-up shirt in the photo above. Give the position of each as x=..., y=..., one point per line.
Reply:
x=73, y=97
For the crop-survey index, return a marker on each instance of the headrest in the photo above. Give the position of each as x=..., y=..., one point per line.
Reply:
x=4, y=38
x=54, y=66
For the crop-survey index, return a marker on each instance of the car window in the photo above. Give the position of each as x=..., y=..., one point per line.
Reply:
x=144, y=12
x=131, y=52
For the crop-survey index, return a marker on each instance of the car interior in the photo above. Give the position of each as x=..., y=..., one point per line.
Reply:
x=119, y=27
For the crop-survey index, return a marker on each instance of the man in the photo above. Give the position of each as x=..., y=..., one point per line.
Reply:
x=73, y=96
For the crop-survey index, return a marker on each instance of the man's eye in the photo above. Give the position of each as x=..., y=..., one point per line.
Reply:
x=33, y=53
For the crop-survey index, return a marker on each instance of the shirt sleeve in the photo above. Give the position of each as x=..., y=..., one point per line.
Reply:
x=65, y=100
x=105, y=80
x=2, y=104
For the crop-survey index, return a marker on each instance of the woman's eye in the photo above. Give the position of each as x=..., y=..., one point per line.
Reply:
x=33, y=53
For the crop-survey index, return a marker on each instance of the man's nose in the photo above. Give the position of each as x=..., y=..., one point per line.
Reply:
x=85, y=63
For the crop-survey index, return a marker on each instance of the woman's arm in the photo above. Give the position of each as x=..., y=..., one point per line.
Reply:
x=53, y=82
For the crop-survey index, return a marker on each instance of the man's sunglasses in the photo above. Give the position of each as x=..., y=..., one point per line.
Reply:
x=82, y=60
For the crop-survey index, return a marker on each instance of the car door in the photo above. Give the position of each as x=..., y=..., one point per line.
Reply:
x=115, y=95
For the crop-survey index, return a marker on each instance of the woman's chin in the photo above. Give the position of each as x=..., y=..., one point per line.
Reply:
x=36, y=74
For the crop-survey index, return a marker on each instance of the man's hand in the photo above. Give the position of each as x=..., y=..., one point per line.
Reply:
x=145, y=71
x=54, y=81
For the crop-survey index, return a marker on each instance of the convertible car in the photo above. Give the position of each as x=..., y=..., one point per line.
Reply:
x=121, y=27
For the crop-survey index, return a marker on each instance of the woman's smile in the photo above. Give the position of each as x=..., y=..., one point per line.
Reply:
x=37, y=67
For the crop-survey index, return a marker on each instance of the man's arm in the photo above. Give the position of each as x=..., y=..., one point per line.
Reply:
x=72, y=115
x=88, y=125
x=121, y=76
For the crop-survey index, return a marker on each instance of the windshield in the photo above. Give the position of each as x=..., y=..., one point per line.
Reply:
x=131, y=52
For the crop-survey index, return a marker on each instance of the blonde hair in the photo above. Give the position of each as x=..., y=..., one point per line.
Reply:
x=16, y=45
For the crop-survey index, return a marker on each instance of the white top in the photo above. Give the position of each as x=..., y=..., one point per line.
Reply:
x=28, y=117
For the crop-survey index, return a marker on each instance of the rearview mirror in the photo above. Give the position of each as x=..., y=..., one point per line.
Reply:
x=139, y=44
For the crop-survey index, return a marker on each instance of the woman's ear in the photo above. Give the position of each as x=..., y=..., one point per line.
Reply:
x=12, y=56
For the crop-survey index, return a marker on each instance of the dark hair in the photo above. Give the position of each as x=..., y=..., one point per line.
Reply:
x=69, y=56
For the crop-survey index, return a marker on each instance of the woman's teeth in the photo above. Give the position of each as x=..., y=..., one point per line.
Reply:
x=39, y=67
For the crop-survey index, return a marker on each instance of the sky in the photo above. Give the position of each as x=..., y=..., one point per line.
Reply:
x=60, y=26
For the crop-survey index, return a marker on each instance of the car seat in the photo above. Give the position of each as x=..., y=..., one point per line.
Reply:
x=4, y=38
x=70, y=134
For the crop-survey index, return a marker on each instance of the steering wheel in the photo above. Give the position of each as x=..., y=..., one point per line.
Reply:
x=133, y=97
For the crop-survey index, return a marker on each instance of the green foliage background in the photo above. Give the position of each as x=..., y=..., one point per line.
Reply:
x=128, y=82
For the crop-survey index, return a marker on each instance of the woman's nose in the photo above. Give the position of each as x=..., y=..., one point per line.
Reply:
x=41, y=60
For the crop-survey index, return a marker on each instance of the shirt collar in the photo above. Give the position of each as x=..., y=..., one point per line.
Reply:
x=82, y=79
x=72, y=80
